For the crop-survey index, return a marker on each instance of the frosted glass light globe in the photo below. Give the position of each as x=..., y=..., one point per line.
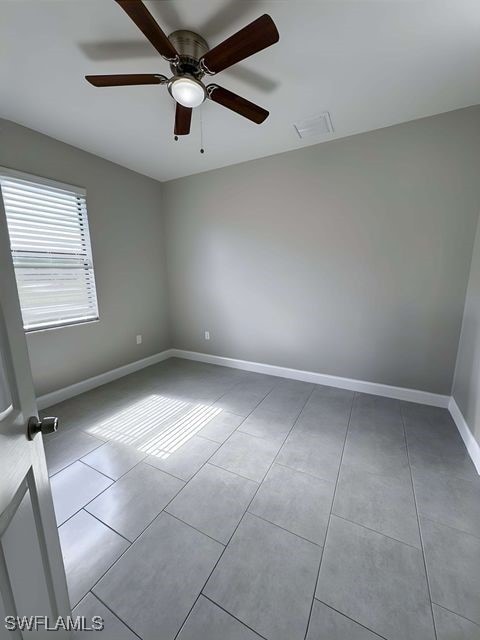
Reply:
x=188, y=92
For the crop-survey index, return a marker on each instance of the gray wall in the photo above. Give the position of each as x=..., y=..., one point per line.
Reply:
x=126, y=227
x=466, y=387
x=348, y=258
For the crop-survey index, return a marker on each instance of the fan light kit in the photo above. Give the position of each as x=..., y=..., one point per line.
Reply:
x=190, y=59
x=187, y=91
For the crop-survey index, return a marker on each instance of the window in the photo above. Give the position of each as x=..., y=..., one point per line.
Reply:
x=48, y=228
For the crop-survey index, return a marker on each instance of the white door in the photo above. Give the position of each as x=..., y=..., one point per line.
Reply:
x=32, y=576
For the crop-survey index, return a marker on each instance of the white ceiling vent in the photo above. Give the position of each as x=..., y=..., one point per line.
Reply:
x=319, y=125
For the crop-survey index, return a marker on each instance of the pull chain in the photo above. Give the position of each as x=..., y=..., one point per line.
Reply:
x=202, y=150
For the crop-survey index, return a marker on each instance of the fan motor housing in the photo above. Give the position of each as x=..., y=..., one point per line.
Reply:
x=190, y=47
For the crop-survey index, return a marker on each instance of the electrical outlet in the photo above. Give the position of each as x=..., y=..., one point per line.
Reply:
x=207, y=335
x=139, y=339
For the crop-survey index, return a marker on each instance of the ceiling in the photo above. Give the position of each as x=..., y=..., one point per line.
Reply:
x=369, y=63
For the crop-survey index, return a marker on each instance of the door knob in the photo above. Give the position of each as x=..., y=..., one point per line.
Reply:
x=45, y=426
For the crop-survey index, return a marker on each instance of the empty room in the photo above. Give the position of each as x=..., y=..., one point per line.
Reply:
x=240, y=319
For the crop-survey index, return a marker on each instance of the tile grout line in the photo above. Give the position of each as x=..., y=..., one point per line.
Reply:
x=131, y=543
x=102, y=442
x=220, y=444
x=172, y=515
x=89, y=501
x=255, y=493
x=119, y=534
x=275, y=386
x=248, y=506
x=292, y=533
x=449, y=526
x=106, y=525
x=380, y=533
x=330, y=515
x=441, y=606
x=217, y=399
x=112, y=612
x=305, y=473
x=98, y=470
x=158, y=515
x=211, y=404
x=195, y=435
x=124, y=473
x=143, y=530
x=233, y=473
x=231, y=615
x=104, y=490
x=83, y=508
x=207, y=461
x=418, y=523
x=352, y=619
x=258, y=403
x=217, y=466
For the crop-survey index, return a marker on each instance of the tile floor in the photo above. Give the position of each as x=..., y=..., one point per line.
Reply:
x=203, y=503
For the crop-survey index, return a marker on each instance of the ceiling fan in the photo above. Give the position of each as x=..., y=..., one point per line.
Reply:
x=190, y=60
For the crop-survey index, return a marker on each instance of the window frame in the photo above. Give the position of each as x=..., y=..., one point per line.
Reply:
x=82, y=192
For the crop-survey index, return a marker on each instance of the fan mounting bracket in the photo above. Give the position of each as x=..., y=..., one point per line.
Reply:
x=191, y=47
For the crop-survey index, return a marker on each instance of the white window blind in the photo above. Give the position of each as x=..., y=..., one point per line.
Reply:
x=48, y=228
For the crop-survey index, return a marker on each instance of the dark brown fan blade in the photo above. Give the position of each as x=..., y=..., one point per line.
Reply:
x=236, y=103
x=183, y=117
x=147, y=24
x=258, y=35
x=126, y=79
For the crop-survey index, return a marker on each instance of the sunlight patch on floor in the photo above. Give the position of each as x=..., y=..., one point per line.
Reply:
x=172, y=438
x=156, y=425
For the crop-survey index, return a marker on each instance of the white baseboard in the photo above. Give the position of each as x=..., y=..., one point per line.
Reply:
x=375, y=388
x=471, y=444
x=362, y=386
x=76, y=389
